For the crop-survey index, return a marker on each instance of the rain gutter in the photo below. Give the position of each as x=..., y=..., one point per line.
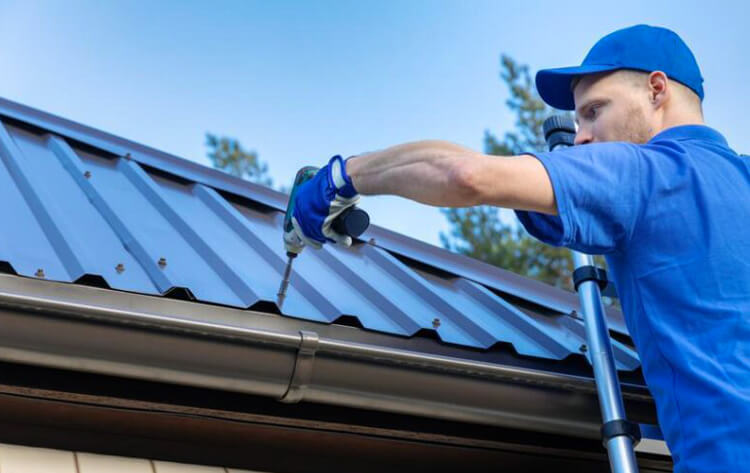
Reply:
x=95, y=330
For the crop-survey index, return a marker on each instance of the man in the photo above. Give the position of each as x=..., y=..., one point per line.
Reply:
x=660, y=194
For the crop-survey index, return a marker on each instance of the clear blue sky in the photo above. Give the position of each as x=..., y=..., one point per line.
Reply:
x=300, y=81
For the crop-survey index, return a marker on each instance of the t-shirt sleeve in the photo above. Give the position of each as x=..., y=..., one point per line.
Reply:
x=598, y=191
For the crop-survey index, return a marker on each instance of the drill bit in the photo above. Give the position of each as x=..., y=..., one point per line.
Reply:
x=281, y=295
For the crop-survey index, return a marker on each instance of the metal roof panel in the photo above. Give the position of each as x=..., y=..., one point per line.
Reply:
x=84, y=203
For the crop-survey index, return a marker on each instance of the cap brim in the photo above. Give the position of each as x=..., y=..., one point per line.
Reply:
x=554, y=84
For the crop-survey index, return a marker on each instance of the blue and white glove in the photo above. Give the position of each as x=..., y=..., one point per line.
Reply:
x=319, y=201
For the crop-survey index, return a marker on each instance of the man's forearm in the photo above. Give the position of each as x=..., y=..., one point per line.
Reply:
x=431, y=172
x=448, y=175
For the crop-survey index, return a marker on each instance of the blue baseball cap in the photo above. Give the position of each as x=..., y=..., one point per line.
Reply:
x=641, y=47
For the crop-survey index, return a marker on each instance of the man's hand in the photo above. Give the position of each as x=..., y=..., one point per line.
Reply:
x=319, y=201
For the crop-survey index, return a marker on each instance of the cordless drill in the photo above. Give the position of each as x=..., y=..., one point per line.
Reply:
x=353, y=222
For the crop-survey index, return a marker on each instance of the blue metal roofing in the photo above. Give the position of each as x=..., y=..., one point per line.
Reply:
x=83, y=206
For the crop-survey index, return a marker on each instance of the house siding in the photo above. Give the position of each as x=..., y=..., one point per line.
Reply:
x=23, y=459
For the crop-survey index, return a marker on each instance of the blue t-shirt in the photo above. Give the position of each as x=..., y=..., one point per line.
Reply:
x=672, y=218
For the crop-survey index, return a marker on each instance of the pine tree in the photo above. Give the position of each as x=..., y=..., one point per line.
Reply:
x=228, y=155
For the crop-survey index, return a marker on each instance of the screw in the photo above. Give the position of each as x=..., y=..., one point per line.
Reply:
x=120, y=268
x=162, y=262
x=583, y=348
x=128, y=156
x=435, y=322
x=371, y=241
x=39, y=273
x=87, y=174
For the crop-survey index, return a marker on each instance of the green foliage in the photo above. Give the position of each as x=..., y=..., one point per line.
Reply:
x=228, y=155
x=479, y=232
x=529, y=109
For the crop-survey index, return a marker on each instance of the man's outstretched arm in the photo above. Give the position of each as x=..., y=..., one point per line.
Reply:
x=448, y=175
x=432, y=172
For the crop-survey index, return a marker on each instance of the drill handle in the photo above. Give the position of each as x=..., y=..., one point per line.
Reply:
x=353, y=221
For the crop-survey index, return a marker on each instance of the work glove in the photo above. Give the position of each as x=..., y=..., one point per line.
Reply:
x=317, y=204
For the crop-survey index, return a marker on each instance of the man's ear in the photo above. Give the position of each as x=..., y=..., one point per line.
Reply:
x=658, y=88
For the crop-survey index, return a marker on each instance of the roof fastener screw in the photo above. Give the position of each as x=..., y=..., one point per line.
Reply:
x=371, y=241
x=162, y=262
x=128, y=156
x=120, y=268
x=39, y=273
x=583, y=348
x=87, y=174
x=435, y=322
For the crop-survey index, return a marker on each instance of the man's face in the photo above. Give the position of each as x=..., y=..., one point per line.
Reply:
x=612, y=107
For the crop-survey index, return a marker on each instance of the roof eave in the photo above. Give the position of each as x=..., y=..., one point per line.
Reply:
x=87, y=329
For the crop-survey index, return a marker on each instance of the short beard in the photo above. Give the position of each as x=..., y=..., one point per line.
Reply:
x=634, y=129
